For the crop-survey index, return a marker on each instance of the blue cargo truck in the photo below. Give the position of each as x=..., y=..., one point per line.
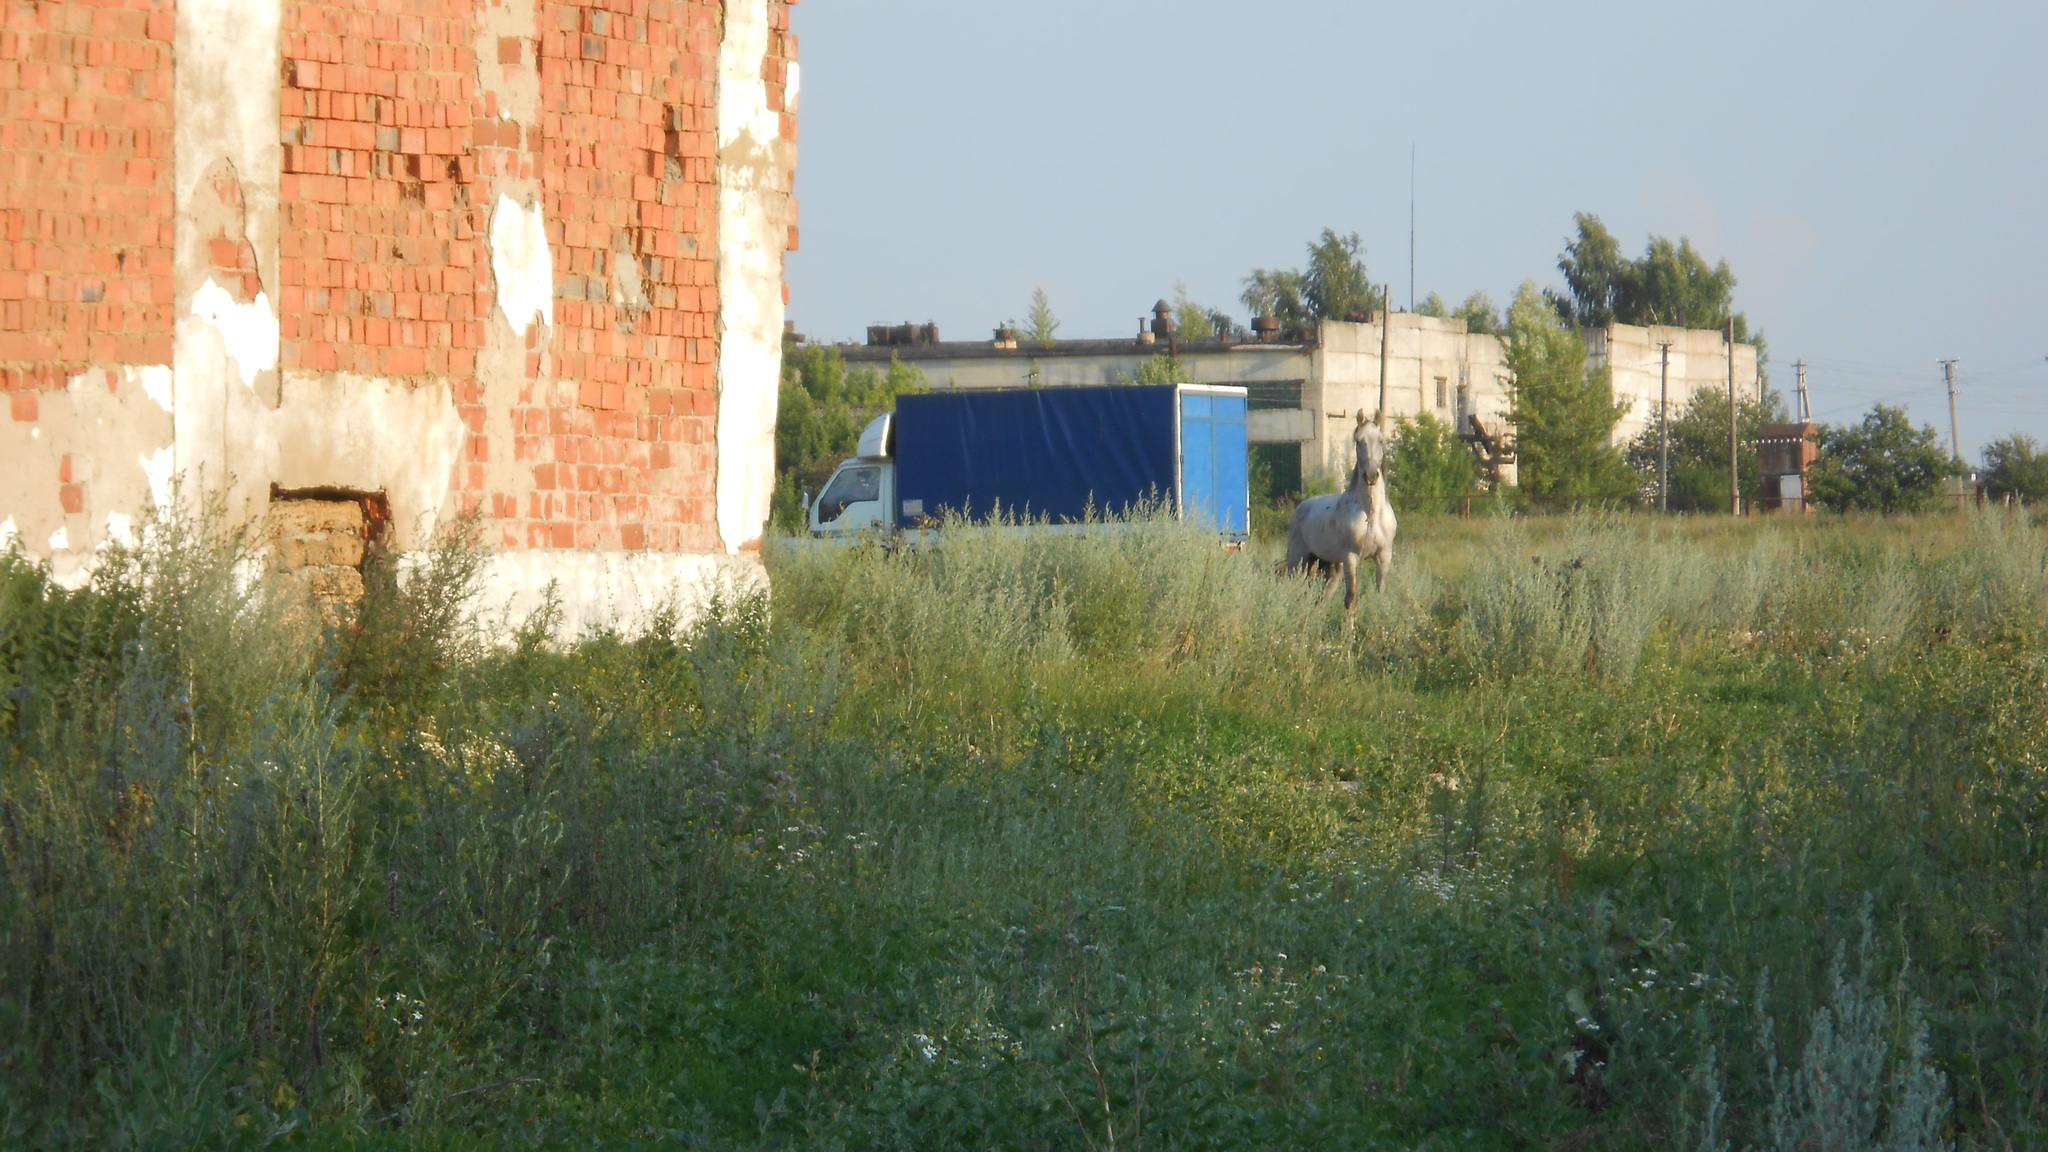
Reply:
x=1045, y=454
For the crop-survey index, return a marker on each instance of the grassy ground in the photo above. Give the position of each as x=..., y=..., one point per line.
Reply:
x=1590, y=833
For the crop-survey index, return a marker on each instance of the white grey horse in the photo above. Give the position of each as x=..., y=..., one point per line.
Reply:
x=1339, y=531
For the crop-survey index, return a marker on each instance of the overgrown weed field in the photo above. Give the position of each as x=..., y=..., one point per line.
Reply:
x=1590, y=833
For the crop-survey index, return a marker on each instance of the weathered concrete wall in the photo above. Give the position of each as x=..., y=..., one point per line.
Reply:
x=1421, y=352
x=1699, y=359
x=478, y=256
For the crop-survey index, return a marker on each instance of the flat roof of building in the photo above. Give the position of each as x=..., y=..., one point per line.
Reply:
x=1027, y=350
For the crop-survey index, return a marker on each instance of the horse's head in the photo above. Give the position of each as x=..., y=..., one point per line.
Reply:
x=1369, y=442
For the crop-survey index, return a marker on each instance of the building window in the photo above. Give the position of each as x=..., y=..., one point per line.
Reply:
x=1442, y=391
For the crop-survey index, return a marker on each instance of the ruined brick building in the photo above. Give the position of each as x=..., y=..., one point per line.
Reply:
x=521, y=258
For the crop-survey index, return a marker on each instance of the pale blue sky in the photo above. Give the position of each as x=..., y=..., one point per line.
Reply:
x=1876, y=172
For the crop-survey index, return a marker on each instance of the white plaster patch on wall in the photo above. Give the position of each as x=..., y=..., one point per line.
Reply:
x=155, y=381
x=521, y=264
x=226, y=114
x=621, y=590
x=9, y=534
x=792, y=88
x=753, y=165
x=158, y=468
x=121, y=529
x=60, y=540
x=249, y=331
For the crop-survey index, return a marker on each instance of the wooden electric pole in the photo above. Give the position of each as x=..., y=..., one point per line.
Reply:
x=1948, y=377
x=1805, y=408
x=1664, y=428
x=1955, y=442
x=1734, y=471
x=1386, y=323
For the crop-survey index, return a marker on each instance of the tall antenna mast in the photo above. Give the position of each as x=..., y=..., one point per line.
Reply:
x=1411, y=226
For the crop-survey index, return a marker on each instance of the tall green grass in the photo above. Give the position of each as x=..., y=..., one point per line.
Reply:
x=1589, y=833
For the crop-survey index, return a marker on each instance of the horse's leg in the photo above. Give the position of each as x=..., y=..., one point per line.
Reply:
x=1351, y=584
x=1381, y=561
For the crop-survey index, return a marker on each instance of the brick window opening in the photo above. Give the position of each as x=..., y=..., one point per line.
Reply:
x=1443, y=388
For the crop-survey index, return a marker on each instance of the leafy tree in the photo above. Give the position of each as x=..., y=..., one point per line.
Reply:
x=1429, y=465
x=1042, y=327
x=1160, y=369
x=1882, y=464
x=2015, y=466
x=1564, y=413
x=1277, y=294
x=1479, y=315
x=1477, y=312
x=1670, y=284
x=1194, y=321
x=1335, y=286
x=1699, y=448
x=821, y=408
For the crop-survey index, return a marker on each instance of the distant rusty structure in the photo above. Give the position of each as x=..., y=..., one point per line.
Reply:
x=1785, y=453
x=904, y=335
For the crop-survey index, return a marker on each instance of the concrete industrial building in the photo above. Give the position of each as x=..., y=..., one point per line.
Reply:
x=1308, y=392
x=521, y=258
x=1302, y=392
x=1634, y=360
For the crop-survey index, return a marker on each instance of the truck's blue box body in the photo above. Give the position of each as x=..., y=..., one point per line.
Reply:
x=1057, y=453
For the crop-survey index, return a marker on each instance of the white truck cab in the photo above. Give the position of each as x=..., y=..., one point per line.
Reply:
x=861, y=496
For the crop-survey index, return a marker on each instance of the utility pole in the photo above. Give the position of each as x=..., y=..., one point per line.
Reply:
x=1805, y=412
x=1955, y=442
x=1664, y=428
x=1948, y=377
x=1386, y=322
x=1734, y=472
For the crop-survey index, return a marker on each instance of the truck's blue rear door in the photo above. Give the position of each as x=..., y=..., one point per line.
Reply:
x=1213, y=458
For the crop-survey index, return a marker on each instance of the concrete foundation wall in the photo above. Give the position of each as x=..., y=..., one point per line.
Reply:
x=520, y=259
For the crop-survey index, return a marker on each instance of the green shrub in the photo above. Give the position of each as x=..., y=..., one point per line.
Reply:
x=1046, y=840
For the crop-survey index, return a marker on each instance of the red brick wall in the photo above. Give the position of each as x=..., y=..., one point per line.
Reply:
x=623, y=449
x=378, y=239
x=391, y=152
x=775, y=70
x=85, y=190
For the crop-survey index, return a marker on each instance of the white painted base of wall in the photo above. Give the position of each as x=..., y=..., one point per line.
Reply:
x=621, y=590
